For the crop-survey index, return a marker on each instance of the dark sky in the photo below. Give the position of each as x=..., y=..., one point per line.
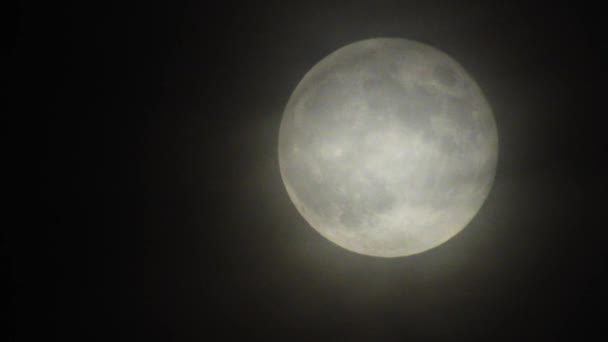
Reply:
x=159, y=212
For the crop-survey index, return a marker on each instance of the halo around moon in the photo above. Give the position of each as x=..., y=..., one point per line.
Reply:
x=388, y=147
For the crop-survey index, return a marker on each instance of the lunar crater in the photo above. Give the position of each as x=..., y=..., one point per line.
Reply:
x=446, y=76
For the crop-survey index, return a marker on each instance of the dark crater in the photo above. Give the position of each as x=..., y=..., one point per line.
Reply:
x=445, y=75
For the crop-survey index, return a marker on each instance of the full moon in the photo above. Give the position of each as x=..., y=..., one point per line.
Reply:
x=387, y=147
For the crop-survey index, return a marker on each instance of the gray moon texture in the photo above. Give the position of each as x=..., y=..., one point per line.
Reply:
x=387, y=147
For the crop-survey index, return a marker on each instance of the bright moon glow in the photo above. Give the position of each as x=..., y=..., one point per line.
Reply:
x=387, y=147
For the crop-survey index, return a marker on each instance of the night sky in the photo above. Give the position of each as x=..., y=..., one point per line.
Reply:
x=159, y=212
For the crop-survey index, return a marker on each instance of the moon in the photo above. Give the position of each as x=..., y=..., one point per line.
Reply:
x=387, y=147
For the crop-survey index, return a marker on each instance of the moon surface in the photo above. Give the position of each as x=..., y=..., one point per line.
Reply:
x=388, y=147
